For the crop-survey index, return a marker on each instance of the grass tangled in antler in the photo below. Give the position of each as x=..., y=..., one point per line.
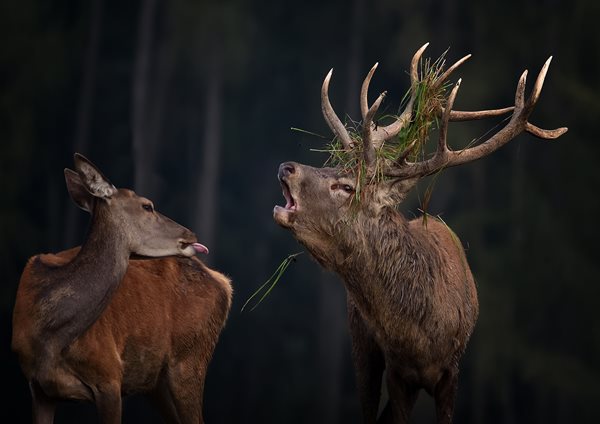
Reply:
x=430, y=97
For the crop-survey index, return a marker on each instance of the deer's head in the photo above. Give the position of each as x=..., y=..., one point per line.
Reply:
x=381, y=164
x=122, y=213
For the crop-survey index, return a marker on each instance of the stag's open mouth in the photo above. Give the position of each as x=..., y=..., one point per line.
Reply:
x=290, y=204
x=284, y=215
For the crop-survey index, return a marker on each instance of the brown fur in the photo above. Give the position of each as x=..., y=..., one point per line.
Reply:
x=156, y=335
x=90, y=324
x=412, y=301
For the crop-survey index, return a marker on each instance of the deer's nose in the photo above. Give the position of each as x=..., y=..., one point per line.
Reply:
x=188, y=237
x=286, y=169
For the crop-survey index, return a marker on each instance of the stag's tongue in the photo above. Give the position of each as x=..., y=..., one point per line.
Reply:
x=200, y=248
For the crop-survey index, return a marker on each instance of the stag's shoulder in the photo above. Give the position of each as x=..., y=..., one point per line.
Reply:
x=436, y=230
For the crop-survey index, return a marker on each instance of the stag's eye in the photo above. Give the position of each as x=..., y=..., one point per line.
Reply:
x=347, y=188
x=148, y=207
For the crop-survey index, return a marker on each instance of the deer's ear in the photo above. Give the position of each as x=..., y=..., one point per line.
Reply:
x=80, y=195
x=94, y=181
x=399, y=188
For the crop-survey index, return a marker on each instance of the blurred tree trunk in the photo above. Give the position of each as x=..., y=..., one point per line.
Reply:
x=86, y=101
x=155, y=110
x=516, y=259
x=357, y=41
x=477, y=344
x=52, y=207
x=333, y=337
x=143, y=150
x=207, y=194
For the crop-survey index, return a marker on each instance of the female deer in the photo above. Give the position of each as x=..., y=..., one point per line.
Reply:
x=91, y=325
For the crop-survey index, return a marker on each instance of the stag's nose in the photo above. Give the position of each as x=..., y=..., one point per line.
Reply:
x=286, y=169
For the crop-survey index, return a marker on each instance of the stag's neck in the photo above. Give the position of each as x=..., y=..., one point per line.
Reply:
x=387, y=267
x=73, y=296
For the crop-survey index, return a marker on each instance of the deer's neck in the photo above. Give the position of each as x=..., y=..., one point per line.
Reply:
x=388, y=268
x=73, y=296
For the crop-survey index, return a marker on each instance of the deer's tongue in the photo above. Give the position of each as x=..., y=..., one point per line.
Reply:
x=200, y=248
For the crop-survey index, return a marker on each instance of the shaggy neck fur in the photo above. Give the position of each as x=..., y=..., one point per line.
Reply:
x=386, y=267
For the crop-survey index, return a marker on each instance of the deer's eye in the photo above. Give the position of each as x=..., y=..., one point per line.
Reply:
x=347, y=188
x=148, y=207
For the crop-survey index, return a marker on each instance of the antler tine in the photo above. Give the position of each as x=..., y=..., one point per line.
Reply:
x=517, y=124
x=520, y=93
x=337, y=127
x=368, y=114
x=402, y=157
x=545, y=134
x=385, y=133
x=459, y=115
x=364, y=92
x=442, y=143
x=533, y=98
x=449, y=71
x=414, y=65
x=539, y=83
x=368, y=147
x=456, y=115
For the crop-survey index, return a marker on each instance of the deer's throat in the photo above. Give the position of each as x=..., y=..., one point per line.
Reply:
x=384, y=266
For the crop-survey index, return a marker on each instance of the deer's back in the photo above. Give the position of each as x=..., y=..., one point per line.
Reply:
x=163, y=311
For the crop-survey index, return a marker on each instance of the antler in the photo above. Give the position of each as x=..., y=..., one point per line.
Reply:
x=379, y=135
x=373, y=136
x=444, y=157
x=331, y=118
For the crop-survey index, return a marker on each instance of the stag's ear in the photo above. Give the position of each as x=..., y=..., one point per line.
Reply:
x=80, y=195
x=398, y=189
x=94, y=181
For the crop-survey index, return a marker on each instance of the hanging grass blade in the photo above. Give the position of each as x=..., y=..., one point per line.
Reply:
x=273, y=280
x=308, y=132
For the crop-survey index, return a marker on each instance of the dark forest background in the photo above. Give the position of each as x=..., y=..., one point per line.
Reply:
x=192, y=103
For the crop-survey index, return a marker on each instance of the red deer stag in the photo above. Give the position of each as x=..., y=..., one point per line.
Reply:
x=90, y=324
x=412, y=301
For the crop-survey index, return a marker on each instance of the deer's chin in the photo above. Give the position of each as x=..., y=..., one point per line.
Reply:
x=284, y=216
x=187, y=251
